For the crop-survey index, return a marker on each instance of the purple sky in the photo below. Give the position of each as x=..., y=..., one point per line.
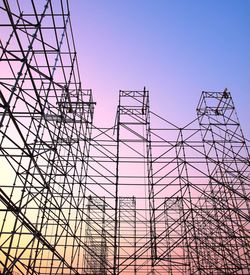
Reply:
x=174, y=48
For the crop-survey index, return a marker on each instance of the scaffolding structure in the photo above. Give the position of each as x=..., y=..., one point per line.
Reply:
x=141, y=197
x=95, y=259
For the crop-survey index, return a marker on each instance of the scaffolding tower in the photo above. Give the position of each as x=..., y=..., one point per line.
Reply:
x=95, y=259
x=141, y=197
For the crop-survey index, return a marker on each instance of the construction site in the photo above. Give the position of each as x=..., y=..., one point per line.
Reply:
x=143, y=196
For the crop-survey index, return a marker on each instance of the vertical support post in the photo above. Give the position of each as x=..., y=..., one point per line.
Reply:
x=116, y=207
x=151, y=195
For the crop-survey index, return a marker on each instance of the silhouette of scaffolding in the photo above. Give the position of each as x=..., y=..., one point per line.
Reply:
x=96, y=259
x=45, y=122
x=141, y=197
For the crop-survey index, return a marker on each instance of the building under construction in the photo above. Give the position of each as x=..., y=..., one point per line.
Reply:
x=141, y=197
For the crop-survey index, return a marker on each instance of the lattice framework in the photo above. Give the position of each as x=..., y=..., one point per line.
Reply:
x=141, y=197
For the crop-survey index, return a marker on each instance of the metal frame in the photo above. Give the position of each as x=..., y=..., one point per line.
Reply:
x=141, y=197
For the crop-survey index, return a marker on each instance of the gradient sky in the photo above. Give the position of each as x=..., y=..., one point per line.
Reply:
x=175, y=48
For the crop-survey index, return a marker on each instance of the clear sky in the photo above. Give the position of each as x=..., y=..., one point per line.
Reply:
x=175, y=48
